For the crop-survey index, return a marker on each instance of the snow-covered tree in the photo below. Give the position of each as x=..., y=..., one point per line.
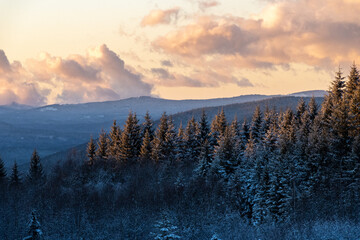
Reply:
x=164, y=229
x=191, y=138
x=34, y=232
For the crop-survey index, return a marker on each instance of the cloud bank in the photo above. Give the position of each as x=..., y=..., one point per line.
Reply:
x=317, y=33
x=100, y=75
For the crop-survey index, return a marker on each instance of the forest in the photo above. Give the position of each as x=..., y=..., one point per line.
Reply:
x=280, y=175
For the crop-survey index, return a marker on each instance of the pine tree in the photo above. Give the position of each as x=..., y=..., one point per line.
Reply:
x=180, y=145
x=158, y=153
x=147, y=126
x=352, y=83
x=15, y=180
x=34, y=232
x=165, y=229
x=36, y=174
x=91, y=151
x=225, y=159
x=286, y=132
x=313, y=109
x=145, y=150
x=170, y=141
x=218, y=125
x=102, y=149
x=204, y=130
x=337, y=87
x=244, y=135
x=205, y=161
x=255, y=129
x=192, y=144
x=130, y=140
x=354, y=114
x=300, y=110
x=114, y=141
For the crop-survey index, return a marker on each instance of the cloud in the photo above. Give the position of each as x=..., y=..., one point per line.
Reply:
x=4, y=62
x=318, y=33
x=244, y=82
x=167, y=63
x=162, y=73
x=100, y=75
x=204, y=79
x=158, y=16
x=204, y=5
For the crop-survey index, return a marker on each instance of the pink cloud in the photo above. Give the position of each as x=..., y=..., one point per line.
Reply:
x=318, y=33
x=99, y=75
x=158, y=16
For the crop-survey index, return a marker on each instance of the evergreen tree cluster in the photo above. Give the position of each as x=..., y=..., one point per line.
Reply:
x=271, y=168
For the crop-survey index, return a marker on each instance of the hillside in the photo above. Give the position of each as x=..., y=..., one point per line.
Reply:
x=55, y=128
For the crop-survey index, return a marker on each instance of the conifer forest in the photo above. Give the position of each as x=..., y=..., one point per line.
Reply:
x=280, y=175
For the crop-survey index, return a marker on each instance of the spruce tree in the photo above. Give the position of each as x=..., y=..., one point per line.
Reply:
x=145, y=150
x=15, y=180
x=244, y=135
x=352, y=83
x=354, y=114
x=36, y=174
x=170, y=142
x=34, y=232
x=130, y=140
x=225, y=159
x=192, y=144
x=91, y=151
x=147, y=126
x=312, y=109
x=164, y=229
x=114, y=141
x=300, y=110
x=218, y=125
x=205, y=161
x=255, y=129
x=286, y=132
x=102, y=149
x=180, y=145
x=337, y=87
x=158, y=151
x=204, y=130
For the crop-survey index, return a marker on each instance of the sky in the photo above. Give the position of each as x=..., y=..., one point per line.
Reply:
x=83, y=51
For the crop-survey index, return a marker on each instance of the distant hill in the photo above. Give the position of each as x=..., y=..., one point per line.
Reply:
x=315, y=93
x=54, y=128
x=243, y=110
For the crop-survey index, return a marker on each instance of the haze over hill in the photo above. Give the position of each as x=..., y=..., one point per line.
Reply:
x=55, y=128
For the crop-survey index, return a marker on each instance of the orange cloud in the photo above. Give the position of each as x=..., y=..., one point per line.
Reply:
x=100, y=75
x=319, y=33
x=156, y=17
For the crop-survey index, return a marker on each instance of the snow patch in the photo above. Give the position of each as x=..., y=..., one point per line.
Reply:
x=48, y=109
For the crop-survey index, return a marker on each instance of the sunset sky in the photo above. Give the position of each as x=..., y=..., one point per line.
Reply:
x=79, y=51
